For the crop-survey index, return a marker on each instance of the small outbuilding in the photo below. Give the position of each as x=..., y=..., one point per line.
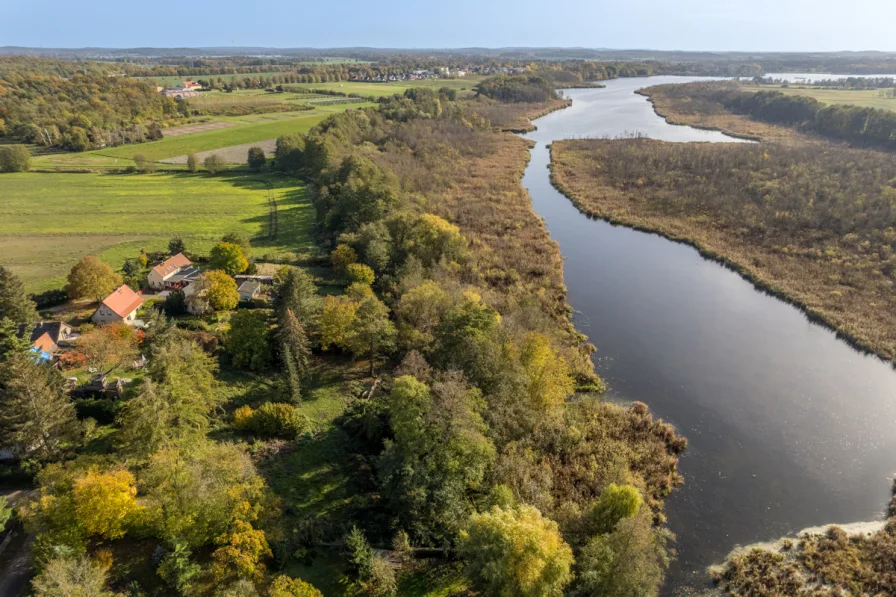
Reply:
x=249, y=290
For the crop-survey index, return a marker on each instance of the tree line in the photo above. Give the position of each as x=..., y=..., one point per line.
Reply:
x=867, y=127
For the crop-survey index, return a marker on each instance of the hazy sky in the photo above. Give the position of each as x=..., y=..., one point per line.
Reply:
x=655, y=24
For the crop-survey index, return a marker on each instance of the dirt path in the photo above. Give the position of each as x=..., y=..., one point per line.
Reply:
x=235, y=154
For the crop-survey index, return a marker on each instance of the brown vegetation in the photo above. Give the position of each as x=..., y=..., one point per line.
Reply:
x=833, y=563
x=678, y=105
x=813, y=225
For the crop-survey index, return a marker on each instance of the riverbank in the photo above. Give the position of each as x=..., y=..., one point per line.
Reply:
x=853, y=559
x=681, y=111
x=832, y=278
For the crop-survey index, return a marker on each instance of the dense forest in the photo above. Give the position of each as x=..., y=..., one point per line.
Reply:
x=866, y=127
x=813, y=222
x=470, y=425
x=81, y=112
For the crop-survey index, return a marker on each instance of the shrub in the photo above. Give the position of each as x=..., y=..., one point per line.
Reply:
x=343, y=256
x=358, y=272
x=193, y=162
x=14, y=158
x=277, y=419
x=242, y=417
x=214, y=163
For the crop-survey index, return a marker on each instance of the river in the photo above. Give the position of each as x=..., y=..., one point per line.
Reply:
x=788, y=427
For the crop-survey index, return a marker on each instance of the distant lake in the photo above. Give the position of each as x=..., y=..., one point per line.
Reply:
x=788, y=426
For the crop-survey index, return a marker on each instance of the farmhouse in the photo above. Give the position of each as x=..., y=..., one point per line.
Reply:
x=173, y=274
x=47, y=336
x=191, y=85
x=179, y=92
x=119, y=307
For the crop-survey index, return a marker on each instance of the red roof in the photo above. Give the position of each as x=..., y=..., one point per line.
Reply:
x=172, y=265
x=123, y=301
x=45, y=343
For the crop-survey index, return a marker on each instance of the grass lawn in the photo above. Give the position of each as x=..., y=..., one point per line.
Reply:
x=464, y=86
x=48, y=221
x=865, y=98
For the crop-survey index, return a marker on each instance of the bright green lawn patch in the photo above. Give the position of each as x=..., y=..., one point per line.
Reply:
x=49, y=221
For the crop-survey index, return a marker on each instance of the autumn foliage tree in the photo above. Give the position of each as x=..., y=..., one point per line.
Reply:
x=516, y=553
x=91, y=278
x=106, y=502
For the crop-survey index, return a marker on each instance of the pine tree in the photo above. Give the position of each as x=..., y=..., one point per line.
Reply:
x=37, y=419
x=14, y=302
x=294, y=351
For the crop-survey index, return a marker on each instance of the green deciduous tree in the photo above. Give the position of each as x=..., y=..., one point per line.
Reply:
x=249, y=340
x=371, y=333
x=217, y=290
x=358, y=272
x=14, y=158
x=91, y=278
x=228, y=258
x=343, y=256
x=289, y=153
x=616, y=502
x=440, y=453
x=631, y=561
x=176, y=245
x=516, y=553
x=284, y=586
x=256, y=159
x=193, y=162
x=195, y=495
x=72, y=577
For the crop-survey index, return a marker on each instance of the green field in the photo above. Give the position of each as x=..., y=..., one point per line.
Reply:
x=245, y=129
x=464, y=86
x=48, y=221
x=254, y=97
x=866, y=98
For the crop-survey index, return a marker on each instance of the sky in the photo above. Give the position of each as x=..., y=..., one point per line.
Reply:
x=718, y=25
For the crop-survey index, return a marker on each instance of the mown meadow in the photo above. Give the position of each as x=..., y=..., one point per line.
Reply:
x=50, y=220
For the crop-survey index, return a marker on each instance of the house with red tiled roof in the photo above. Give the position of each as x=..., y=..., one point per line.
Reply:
x=173, y=273
x=119, y=307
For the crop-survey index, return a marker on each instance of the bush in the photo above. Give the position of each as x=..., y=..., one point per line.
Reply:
x=14, y=158
x=272, y=419
x=256, y=159
x=358, y=272
x=214, y=163
x=49, y=298
x=193, y=162
x=175, y=303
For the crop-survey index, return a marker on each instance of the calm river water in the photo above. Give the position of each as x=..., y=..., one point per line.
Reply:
x=788, y=426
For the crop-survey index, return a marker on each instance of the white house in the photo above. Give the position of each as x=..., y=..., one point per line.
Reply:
x=176, y=272
x=119, y=307
x=249, y=290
